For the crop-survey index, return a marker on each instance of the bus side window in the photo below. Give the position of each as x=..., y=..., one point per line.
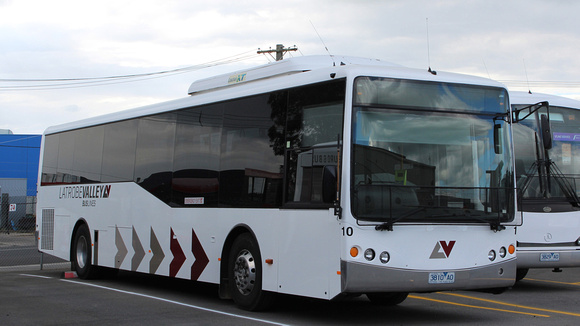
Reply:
x=314, y=125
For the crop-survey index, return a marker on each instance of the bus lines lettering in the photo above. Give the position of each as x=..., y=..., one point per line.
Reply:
x=85, y=192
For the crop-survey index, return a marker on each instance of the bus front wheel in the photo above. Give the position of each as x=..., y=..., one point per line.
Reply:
x=387, y=299
x=82, y=253
x=245, y=275
x=521, y=273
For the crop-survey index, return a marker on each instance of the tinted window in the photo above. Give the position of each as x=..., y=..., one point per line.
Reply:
x=154, y=155
x=119, y=151
x=314, y=126
x=251, y=168
x=88, y=153
x=50, y=159
x=197, y=156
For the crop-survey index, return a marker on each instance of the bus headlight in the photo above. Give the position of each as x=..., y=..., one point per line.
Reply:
x=369, y=254
x=384, y=257
x=491, y=255
x=502, y=252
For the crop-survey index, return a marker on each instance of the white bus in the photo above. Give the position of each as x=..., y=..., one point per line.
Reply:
x=315, y=176
x=548, y=180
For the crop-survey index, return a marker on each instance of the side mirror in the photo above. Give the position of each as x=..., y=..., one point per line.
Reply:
x=329, y=187
x=546, y=131
x=497, y=139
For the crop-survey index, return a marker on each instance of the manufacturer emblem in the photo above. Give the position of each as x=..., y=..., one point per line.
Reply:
x=442, y=249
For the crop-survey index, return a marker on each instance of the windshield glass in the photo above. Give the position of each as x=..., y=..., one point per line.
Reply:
x=428, y=165
x=535, y=181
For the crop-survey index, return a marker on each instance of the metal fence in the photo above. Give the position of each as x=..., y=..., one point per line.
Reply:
x=18, y=242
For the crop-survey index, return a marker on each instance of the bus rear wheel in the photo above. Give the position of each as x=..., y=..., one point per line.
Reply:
x=82, y=253
x=245, y=275
x=388, y=298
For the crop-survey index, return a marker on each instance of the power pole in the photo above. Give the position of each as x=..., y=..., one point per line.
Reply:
x=280, y=51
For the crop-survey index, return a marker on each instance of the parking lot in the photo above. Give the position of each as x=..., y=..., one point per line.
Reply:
x=34, y=297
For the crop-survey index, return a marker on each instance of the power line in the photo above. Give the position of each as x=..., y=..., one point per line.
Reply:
x=544, y=84
x=64, y=83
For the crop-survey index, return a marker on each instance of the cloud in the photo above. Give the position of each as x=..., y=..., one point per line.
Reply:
x=70, y=38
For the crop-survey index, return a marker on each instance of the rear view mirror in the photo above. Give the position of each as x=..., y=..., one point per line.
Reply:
x=497, y=139
x=546, y=131
x=329, y=186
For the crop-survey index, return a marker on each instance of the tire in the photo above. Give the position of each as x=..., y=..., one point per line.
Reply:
x=521, y=273
x=82, y=253
x=387, y=298
x=245, y=275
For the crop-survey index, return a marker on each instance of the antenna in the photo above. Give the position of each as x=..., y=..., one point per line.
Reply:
x=486, y=68
x=527, y=80
x=428, y=51
x=321, y=40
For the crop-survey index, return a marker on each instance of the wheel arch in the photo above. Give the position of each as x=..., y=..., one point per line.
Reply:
x=236, y=231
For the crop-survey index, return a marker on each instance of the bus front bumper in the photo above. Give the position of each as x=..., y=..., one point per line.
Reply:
x=548, y=258
x=363, y=278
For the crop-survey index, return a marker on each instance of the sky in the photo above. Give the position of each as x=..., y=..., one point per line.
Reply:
x=525, y=44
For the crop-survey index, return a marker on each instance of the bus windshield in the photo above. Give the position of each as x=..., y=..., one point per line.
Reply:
x=433, y=164
x=549, y=174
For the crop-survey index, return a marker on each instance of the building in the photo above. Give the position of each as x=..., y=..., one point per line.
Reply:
x=19, y=156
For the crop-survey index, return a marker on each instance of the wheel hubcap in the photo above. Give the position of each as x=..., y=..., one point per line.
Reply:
x=82, y=252
x=245, y=272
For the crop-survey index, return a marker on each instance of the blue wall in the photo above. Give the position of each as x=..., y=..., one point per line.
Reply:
x=19, y=155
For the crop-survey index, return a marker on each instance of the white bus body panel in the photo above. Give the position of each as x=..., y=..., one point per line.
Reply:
x=417, y=251
x=308, y=268
x=549, y=241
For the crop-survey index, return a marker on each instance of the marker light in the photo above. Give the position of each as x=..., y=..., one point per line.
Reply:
x=369, y=254
x=502, y=252
x=511, y=249
x=384, y=257
x=353, y=252
x=491, y=255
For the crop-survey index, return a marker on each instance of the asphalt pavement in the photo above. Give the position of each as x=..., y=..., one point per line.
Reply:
x=47, y=298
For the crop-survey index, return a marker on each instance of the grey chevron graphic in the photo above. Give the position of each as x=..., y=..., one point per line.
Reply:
x=139, y=251
x=121, y=249
x=158, y=254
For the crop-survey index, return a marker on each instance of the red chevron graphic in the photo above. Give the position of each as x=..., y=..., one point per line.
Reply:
x=178, y=255
x=447, y=247
x=201, y=259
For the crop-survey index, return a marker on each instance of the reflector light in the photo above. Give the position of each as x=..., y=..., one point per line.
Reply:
x=353, y=252
x=511, y=249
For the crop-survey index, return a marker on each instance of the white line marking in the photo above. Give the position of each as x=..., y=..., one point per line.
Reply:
x=176, y=302
x=39, y=276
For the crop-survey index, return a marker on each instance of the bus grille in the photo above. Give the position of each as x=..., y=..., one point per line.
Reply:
x=47, y=234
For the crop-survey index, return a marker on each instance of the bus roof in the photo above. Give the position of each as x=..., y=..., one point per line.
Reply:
x=280, y=68
x=525, y=98
x=282, y=74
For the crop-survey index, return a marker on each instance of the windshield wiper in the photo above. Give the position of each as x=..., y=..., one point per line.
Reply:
x=494, y=225
x=389, y=224
x=563, y=183
x=548, y=171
